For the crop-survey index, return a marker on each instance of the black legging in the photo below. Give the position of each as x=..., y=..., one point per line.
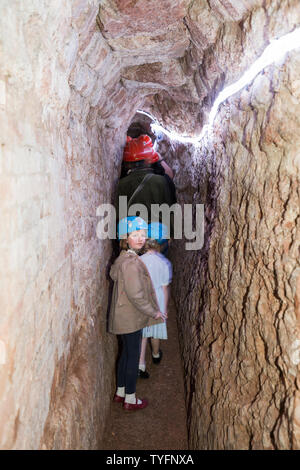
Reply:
x=128, y=364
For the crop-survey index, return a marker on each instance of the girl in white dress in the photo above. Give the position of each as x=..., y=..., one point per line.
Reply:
x=160, y=270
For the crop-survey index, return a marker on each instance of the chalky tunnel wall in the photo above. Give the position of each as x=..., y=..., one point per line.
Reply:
x=72, y=76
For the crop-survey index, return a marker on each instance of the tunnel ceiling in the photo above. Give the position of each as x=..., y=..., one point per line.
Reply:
x=178, y=54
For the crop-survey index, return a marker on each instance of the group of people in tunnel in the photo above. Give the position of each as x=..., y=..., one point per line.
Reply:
x=142, y=272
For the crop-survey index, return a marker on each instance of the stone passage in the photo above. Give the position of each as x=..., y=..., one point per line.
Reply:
x=162, y=425
x=72, y=76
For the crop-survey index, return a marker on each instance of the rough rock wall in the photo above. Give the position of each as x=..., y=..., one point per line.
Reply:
x=56, y=167
x=239, y=309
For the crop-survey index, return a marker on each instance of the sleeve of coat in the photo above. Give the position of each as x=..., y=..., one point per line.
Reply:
x=135, y=292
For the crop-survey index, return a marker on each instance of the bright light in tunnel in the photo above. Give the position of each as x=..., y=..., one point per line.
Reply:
x=157, y=128
x=274, y=52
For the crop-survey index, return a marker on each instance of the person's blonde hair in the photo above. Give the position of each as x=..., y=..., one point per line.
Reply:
x=151, y=244
x=123, y=244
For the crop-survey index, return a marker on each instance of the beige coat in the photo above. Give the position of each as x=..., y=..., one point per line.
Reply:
x=134, y=303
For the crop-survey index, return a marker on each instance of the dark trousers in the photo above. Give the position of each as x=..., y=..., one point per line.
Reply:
x=128, y=364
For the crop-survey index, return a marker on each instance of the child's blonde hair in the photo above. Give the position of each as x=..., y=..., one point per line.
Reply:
x=123, y=244
x=152, y=244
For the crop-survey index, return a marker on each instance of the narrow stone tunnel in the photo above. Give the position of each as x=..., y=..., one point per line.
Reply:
x=73, y=76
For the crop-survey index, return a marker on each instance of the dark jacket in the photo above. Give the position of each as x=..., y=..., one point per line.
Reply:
x=155, y=191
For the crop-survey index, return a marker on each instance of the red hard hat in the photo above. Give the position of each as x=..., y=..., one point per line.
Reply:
x=138, y=149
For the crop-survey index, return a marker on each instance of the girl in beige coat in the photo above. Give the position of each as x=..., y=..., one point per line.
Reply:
x=134, y=306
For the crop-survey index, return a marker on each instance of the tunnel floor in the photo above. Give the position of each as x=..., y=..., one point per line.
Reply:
x=162, y=425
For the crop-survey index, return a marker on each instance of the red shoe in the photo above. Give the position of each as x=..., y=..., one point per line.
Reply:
x=135, y=406
x=118, y=399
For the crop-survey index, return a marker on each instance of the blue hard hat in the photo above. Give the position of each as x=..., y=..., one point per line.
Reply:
x=158, y=232
x=130, y=224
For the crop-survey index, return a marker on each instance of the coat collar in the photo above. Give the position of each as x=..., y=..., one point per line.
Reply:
x=132, y=252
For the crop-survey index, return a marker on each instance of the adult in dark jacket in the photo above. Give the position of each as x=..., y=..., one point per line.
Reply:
x=142, y=185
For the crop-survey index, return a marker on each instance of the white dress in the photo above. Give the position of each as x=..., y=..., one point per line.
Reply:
x=160, y=270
